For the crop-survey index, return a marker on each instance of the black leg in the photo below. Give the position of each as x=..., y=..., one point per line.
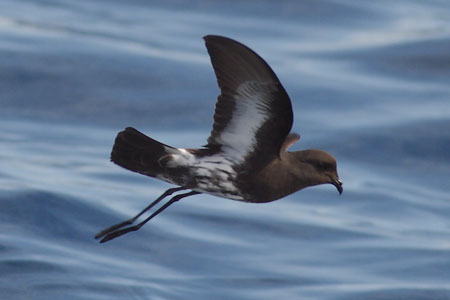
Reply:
x=117, y=233
x=131, y=221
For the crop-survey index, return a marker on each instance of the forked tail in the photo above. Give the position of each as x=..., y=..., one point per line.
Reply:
x=137, y=152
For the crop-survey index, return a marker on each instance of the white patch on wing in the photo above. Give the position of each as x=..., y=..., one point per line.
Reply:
x=238, y=138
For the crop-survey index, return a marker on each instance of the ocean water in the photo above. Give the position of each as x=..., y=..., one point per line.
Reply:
x=369, y=82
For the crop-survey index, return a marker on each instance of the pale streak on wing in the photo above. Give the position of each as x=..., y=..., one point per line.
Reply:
x=238, y=139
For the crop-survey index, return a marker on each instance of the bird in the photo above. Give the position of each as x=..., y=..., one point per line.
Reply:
x=245, y=158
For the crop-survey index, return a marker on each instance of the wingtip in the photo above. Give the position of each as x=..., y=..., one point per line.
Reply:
x=212, y=37
x=208, y=37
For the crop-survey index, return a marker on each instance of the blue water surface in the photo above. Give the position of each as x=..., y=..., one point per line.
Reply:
x=369, y=83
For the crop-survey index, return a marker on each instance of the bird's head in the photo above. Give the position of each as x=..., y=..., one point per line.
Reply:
x=317, y=167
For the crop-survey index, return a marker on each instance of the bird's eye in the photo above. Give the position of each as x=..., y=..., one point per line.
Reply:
x=323, y=165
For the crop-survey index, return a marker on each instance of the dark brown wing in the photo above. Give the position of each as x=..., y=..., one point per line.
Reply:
x=253, y=113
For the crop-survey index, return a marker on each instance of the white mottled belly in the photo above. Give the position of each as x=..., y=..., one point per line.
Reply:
x=213, y=175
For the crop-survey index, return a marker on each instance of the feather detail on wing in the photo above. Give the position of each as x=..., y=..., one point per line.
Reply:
x=253, y=113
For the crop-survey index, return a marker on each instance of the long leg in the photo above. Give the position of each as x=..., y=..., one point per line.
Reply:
x=131, y=221
x=117, y=233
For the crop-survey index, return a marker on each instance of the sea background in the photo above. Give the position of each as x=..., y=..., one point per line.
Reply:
x=369, y=82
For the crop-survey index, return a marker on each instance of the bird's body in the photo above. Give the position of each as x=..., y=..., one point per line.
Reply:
x=246, y=156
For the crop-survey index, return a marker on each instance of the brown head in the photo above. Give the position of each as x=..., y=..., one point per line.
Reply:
x=315, y=167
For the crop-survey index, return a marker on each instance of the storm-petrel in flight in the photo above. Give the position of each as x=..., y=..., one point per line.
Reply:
x=245, y=158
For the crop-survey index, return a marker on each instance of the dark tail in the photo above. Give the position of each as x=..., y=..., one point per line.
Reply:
x=137, y=152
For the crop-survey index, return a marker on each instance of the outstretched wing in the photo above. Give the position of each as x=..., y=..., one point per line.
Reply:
x=253, y=113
